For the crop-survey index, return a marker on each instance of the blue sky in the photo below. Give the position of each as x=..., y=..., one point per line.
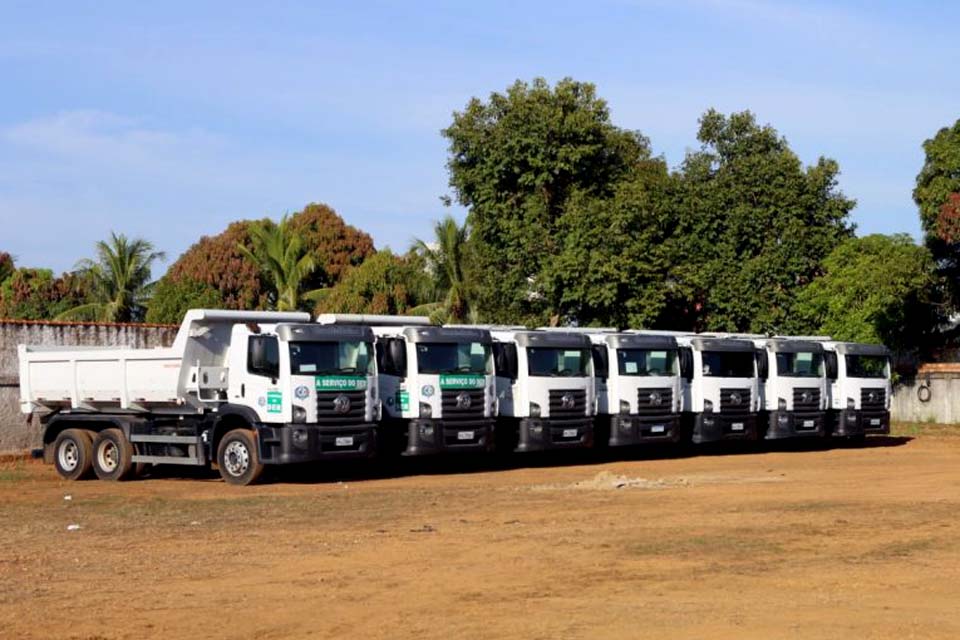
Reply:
x=169, y=120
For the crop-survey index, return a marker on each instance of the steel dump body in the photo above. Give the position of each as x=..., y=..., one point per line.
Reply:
x=180, y=378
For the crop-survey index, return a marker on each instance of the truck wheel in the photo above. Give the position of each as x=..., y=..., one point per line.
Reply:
x=237, y=457
x=73, y=454
x=112, y=455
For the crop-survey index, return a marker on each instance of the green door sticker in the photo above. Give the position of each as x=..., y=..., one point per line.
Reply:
x=341, y=383
x=403, y=400
x=461, y=381
x=274, y=401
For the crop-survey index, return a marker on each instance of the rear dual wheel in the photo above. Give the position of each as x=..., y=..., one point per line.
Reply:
x=112, y=455
x=73, y=454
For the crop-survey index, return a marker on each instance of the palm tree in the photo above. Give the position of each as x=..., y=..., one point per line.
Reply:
x=118, y=281
x=446, y=259
x=279, y=254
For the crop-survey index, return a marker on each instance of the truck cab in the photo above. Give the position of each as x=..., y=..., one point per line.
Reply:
x=859, y=378
x=436, y=384
x=546, y=394
x=637, y=387
x=793, y=388
x=720, y=387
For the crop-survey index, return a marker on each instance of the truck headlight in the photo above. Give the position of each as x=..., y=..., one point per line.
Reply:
x=707, y=406
x=534, y=410
x=426, y=410
x=299, y=414
x=851, y=404
x=624, y=407
x=781, y=404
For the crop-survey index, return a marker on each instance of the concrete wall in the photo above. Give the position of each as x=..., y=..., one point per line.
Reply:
x=19, y=432
x=941, y=403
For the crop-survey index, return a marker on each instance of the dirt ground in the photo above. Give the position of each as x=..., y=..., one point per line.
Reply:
x=793, y=543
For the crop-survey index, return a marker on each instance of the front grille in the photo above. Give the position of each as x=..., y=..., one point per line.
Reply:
x=735, y=400
x=452, y=409
x=806, y=399
x=578, y=410
x=654, y=402
x=327, y=413
x=873, y=399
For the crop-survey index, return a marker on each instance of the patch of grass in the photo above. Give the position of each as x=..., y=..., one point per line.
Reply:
x=918, y=429
x=13, y=471
x=732, y=544
x=898, y=550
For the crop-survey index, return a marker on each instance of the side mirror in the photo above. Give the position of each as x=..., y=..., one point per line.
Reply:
x=830, y=362
x=397, y=355
x=686, y=363
x=762, y=369
x=600, y=366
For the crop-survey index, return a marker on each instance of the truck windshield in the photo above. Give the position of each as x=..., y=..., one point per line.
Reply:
x=553, y=362
x=450, y=357
x=866, y=366
x=800, y=365
x=330, y=358
x=646, y=362
x=728, y=364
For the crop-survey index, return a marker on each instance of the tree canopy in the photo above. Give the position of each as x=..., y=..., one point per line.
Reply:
x=937, y=195
x=874, y=289
x=384, y=283
x=515, y=160
x=36, y=294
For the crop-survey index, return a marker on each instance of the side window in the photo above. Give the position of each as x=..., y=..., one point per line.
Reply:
x=263, y=356
x=762, y=362
x=505, y=359
x=600, y=364
x=686, y=363
x=830, y=359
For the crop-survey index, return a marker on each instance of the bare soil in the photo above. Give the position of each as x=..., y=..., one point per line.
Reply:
x=798, y=542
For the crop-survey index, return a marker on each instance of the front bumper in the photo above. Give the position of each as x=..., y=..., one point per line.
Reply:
x=851, y=422
x=292, y=443
x=711, y=427
x=628, y=430
x=790, y=424
x=427, y=437
x=541, y=434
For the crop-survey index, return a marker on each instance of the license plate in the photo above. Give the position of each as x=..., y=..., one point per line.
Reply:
x=345, y=441
x=657, y=428
x=808, y=423
x=570, y=433
x=874, y=422
x=736, y=426
x=464, y=435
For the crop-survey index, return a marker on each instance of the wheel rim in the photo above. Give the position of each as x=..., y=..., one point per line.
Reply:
x=108, y=456
x=236, y=458
x=69, y=455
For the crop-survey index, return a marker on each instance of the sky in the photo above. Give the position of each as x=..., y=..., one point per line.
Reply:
x=169, y=120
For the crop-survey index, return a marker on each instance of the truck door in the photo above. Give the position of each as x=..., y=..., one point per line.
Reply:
x=261, y=388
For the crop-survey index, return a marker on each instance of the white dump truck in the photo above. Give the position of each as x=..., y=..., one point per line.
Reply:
x=546, y=396
x=859, y=385
x=721, y=394
x=239, y=389
x=436, y=383
x=637, y=386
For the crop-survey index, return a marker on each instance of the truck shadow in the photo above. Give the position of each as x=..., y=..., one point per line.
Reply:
x=479, y=463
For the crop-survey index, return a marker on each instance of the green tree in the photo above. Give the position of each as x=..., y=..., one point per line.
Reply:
x=283, y=260
x=753, y=228
x=612, y=267
x=446, y=262
x=35, y=294
x=172, y=299
x=875, y=289
x=515, y=160
x=119, y=281
x=937, y=195
x=383, y=284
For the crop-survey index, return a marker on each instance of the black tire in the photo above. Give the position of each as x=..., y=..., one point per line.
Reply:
x=237, y=457
x=73, y=454
x=112, y=455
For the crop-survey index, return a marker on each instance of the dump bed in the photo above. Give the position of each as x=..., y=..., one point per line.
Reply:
x=107, y=378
